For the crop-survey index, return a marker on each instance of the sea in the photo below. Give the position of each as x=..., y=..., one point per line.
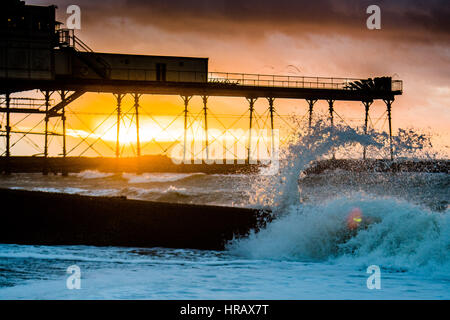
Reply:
x=310, y=250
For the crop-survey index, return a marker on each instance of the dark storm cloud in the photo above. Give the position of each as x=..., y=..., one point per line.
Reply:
x=413, y=20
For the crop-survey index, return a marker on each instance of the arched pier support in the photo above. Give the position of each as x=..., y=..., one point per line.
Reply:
x=63, y=95
x=47, y=95
x=367, y=105
x=186, y=100
x=388, y=103
x=331, y=111
x=136, y=110
x=8, y=134
x=251, y=102
x=119, y=98
x=205, y=113
x=311, y=103
x=271, y=111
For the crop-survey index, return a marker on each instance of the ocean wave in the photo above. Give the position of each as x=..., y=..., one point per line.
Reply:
x=92, y=174
x=68, y=190
x=400, y=235
x=134, y=191
x=177, y=195
x=158, y=177
x=113, y=255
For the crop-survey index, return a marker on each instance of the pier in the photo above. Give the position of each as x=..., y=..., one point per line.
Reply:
x=63, y=68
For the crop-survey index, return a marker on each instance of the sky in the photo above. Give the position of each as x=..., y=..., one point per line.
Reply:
x=310, y=38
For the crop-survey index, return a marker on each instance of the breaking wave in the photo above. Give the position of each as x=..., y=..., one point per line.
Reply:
x=92, y=174
x=158, y=177
x=400, y=234
x=392, y=233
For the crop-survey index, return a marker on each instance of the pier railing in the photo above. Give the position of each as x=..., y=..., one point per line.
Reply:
x=244, y=79
x=261, y=80
x=67, y=38
x=24, y=103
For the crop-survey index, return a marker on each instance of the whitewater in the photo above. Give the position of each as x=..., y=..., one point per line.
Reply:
x=307, y=252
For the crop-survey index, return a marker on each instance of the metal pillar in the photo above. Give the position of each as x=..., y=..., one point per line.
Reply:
x=271, y=110
x=251, y=102
x=63, y=118
x=205, y=102
x=136, y=108
x=389, y=107
x=311, y=103
x=186, y=100
x=47, y=95
x=367, y=105
x=8, y=135
x=119, y=98
x=331, y=110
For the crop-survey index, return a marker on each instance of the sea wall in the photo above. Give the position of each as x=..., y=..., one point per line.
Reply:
x=30, y=217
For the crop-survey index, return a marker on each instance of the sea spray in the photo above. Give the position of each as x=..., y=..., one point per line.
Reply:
x=399, y=234
x=92, y=174
x=158, y=177
x=280, y=191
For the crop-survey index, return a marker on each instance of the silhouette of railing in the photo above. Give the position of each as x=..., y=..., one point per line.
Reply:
x=262, y=80
x=68, y=39
x=242, y=79
x=24, y=103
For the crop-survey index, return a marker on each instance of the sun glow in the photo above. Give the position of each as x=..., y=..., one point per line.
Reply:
x=157, y=129
x=146, y=134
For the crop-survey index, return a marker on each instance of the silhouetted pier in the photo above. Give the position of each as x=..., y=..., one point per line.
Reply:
x=38, y=55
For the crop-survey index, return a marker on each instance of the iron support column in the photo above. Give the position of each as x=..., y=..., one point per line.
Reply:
x=389, y=107
x=271, y=110
x=47, y=95
x=136, y=108
x=63, y=118
x=367, y=105
x=119, y=98
x=186, y=100
x=8, y=135
x=331, y=110
x=205, y=108
x=251, y=102
x=311, y=103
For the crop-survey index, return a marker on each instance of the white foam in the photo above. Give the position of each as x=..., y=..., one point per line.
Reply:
x=402, y=235
x=157, y=177
x=67, y=190
x=92, y=174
